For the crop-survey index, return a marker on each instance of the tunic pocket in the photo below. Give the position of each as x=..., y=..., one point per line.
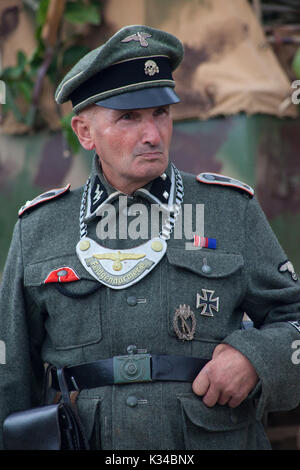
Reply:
x=73, y=309
x=219, y=427
x=210, y=285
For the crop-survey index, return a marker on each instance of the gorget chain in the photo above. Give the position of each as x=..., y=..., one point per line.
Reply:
x=169, y=224
x=82, y=224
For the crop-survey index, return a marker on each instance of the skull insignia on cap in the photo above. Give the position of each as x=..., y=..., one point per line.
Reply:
x=151, y=68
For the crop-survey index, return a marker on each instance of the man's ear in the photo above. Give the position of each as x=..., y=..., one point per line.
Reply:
x=81, y=126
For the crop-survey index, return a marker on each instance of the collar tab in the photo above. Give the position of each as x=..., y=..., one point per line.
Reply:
x=161, y=191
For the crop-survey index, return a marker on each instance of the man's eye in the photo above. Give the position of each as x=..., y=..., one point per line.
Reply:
x=126, y=116
x=161, y=111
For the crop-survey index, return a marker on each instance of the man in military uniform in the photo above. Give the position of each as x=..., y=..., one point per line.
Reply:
x=150, y=328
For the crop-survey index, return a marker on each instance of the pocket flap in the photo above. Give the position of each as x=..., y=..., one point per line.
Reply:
x=221, y=264
x=37, y=273
x=216, y=418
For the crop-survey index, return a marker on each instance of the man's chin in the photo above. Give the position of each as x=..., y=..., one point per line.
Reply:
x=152, y=167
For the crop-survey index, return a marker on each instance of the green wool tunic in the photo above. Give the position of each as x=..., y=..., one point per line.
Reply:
x=40, y=324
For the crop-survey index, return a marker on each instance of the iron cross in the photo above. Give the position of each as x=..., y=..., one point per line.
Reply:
x=206, y=302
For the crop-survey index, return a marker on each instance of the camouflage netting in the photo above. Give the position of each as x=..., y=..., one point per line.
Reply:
x=228, y=68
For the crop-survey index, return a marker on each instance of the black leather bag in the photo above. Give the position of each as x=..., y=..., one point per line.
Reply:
x=49, y=427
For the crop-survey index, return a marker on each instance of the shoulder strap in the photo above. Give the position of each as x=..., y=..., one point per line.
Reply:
x=214, y=178
x=47, y=196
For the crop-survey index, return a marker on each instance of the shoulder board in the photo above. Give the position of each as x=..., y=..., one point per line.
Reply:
x=214, y=178
x=47, y=196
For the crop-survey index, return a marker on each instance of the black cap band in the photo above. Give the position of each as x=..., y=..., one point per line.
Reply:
x=125, y=76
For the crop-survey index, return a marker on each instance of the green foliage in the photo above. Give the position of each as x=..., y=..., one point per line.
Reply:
x=69, y=134
x=79, y=12
x=19, y=82
x=296, y=63
x=21, y=79
x=42, y=12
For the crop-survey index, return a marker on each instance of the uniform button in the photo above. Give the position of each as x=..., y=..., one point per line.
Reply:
x=131, y=349
x=131, y=401
x=206, y=269
x=62, y=272
x=132, y=300
x=210, y=177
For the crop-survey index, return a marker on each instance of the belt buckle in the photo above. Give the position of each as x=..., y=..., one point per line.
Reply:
x=132, y=368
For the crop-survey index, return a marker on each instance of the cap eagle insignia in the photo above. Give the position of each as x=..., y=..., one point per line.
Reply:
x=141, y=37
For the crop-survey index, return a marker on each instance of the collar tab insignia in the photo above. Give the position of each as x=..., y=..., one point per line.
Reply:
x=98, y=194
x=161, y=191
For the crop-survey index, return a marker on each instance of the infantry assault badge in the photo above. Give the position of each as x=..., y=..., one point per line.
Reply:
x=184, y=322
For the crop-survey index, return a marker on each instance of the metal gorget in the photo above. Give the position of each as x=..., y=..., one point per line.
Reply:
x=119, y=269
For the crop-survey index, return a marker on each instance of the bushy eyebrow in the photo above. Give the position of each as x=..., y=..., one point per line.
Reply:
x=118, y=112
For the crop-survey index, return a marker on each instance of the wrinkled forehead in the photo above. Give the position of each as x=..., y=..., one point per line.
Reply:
x=107, y=112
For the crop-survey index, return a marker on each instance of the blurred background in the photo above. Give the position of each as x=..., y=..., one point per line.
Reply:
x=239, y=110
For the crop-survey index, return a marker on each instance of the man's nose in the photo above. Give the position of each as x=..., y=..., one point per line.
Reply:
x=150, y=132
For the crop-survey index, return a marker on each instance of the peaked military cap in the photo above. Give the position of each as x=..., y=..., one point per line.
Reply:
x=133, y=69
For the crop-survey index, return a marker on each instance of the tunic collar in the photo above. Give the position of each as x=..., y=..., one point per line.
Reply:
x=159, y=191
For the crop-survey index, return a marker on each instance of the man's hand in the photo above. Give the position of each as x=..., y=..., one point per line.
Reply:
x=226, y=379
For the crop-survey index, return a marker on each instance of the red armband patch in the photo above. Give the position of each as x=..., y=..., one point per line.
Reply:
x=63, y=274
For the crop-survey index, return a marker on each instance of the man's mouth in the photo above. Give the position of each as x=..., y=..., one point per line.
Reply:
x=150, y=155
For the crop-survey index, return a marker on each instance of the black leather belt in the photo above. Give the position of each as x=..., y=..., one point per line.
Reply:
x=131, y=369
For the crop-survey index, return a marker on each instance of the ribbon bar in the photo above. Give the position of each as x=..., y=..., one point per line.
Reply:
x=205, y=242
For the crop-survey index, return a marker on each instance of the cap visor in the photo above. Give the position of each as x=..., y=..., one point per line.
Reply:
x=146, y=98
